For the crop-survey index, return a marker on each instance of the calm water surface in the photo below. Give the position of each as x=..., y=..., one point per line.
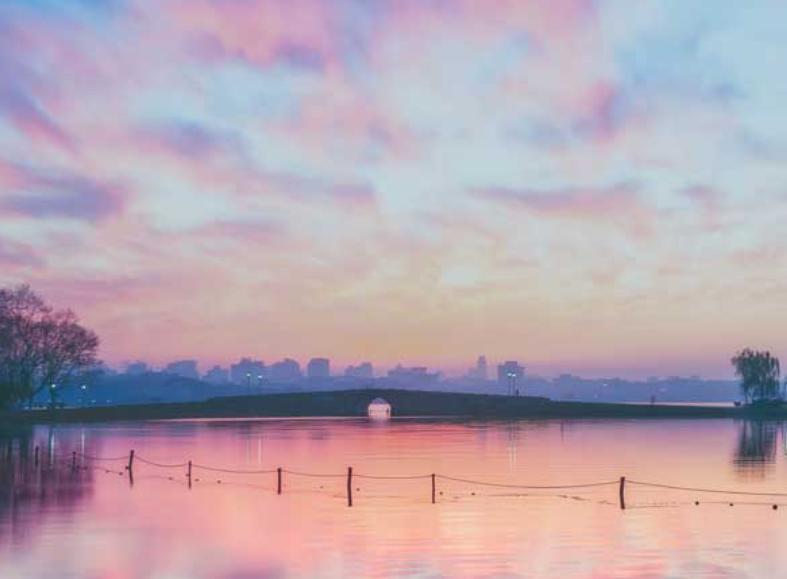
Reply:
x=95, y=523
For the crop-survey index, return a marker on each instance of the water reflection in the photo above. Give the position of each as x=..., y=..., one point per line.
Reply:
x=757, y=444
x=36, y=480
x=90, y=524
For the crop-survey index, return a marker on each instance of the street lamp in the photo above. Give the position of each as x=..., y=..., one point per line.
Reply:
x=83, y=388
x=511, y=382
x=248, y=383
x=52, y=395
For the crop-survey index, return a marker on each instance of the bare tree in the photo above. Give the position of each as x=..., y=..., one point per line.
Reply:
x=39, y=346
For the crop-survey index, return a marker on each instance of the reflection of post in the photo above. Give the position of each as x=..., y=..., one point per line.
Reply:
x=622, y=493
x=130, y=466
x=278, y=481
x=189, y=474
x=35, y=460
x=349, y=486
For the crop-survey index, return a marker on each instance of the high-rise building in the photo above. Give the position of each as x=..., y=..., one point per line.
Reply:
x=137, y=368
x=285, y=370
x=247, y=372
x=217, y=375
x=416, y=376
x=183, y=368
x=480, y=368
x=363, y=370
x=318, y=368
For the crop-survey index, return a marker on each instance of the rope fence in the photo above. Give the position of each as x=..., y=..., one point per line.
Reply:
x=350, y=476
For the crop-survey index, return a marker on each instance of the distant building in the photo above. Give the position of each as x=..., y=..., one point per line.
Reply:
x=480, y=370
x=217, y=375
x=364, y=370
x=286, y=370
x=183, y=368
x=137, y=368
x=417, y=376
x=247, y=372
x=318, y=368
x=509, y=374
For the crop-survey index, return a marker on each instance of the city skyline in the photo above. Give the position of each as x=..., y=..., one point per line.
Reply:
x=248, y=367
x=594, y=187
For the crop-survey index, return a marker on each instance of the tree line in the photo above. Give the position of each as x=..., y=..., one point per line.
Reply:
x=41, y=348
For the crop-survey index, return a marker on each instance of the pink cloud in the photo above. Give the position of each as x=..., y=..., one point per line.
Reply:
x=44, y=193
x=621, y=204
x=259, y=31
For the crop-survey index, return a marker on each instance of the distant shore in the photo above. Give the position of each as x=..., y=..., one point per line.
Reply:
x=412, y=403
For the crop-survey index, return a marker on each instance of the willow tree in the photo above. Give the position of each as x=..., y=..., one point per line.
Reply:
x=39, y=346
x=759, y=374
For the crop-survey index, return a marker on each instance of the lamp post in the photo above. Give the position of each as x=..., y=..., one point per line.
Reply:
x=83, y=389
x=248, y=383
x=52, y=388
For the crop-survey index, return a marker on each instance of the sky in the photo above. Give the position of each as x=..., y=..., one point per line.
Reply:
x=588, y=186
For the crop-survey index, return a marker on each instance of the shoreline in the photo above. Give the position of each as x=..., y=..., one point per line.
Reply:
x=405, y=403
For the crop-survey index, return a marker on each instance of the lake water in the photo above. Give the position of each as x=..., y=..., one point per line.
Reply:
x=93, y=522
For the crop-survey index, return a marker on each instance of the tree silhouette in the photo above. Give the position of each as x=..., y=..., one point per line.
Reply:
x=39, y=346
x=759, y=373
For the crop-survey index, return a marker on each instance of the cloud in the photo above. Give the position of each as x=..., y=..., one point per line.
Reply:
x=190, y=139
x=710, y=202
x=569, y=202
x=19, y=254
x=30, y=118
x=43, y=194
x=621, y=204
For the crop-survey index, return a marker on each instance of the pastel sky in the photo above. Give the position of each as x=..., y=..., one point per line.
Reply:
x=584, y=185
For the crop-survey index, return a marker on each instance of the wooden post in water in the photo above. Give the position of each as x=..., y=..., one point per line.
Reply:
x=433, y=489
x=349, y=486
x=35, y=457
x=278, y=481
x=188, y=474
x=622, y=493
x=130, y=462
x=73, y=460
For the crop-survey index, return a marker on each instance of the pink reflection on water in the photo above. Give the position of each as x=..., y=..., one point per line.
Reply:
x=240, y=527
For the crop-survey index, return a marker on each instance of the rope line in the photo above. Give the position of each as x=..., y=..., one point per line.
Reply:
x=160, y=464
x=392, y=477
x=230, y=470
x=313, y=474
x=514, y=486
x=89, y=457
x=701, y=490
x=65, y=461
